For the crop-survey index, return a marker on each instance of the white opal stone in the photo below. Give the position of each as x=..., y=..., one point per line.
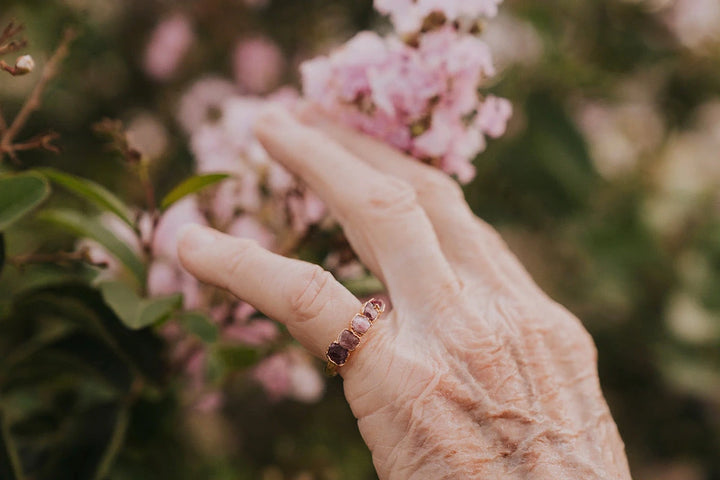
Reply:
x=360, y=324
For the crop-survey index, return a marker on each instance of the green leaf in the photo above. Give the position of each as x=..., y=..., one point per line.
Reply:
x=84, y=226
x=92, y=192
x=136, y=312
x=190, y=186
x=10, y=465
x=155, y=310
x=199, y=325
x=84, y=307
x=115, y=444
x=19, y=195
x=122, y=299
x=232, y=357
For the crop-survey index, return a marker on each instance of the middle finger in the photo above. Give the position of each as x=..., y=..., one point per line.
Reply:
x=468, y=242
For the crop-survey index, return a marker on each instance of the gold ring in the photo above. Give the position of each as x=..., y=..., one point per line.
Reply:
x=349, y=339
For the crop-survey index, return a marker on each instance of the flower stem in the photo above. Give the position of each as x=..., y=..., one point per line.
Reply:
x=34, y=100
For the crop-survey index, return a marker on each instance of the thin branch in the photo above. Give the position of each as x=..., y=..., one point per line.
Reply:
x=33, y=101
x=14, y=70
x=148, y=188
x=7, y=46
x=115, y=132
x=3, y=123
x=12, y=47
x=38, y=142
x=10, y=31
x=80, y=256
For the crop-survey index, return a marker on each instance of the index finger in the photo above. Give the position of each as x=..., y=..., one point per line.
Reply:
x=379, y=213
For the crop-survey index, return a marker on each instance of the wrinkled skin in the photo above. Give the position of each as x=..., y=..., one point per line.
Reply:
x=474, y=373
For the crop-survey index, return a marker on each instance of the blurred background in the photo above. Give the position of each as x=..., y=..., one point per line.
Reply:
x=607, y=186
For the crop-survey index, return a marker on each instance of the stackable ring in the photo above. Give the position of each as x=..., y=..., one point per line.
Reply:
x=349, y=339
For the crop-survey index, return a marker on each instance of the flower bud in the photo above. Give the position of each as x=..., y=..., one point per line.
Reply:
x=24, y=64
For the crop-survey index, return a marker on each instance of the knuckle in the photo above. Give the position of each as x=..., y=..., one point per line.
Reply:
x=237, y=262
x=490, y=236
x=310, y=294
x=436, y=185
x=587, y=345
x=579, y=340
x=394, y=197
x=449, y=301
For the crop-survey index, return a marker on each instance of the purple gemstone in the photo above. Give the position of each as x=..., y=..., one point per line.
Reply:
x=378, y=304
x=337, y=354
x=370, y=312
x=360, y=324
x=348, y=340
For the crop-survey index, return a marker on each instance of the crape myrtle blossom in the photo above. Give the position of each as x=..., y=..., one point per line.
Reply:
x=289, y=374
x=221, y=140
x=619, y=135
x=201, y=103
x=410, y=16
x=258, y=64
x=422, y=99
x=513, y=41
x=147, y=135
x=696, y=23
x=167, y=47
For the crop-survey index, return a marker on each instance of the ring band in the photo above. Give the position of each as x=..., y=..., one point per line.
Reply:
x=349, y=339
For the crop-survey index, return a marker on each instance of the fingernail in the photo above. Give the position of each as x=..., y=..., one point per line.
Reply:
x=196, y=237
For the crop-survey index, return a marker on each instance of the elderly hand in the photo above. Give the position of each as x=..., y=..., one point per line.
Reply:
x=475, y=373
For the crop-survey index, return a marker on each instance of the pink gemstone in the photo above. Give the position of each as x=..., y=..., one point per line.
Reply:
x=370, y=312
x=360, y=324
x=348, y=340
x=378, y=304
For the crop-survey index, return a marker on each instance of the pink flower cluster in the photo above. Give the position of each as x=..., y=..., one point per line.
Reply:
x=260, y=201
x=262, y=198
x=238, y=323
x=420, y=96
x=418, y=90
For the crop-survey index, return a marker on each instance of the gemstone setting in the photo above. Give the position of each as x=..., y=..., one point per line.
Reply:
x=348, y=340
x=360, y=324
x=337, y=354
x=370, y=311
x=378, y=304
